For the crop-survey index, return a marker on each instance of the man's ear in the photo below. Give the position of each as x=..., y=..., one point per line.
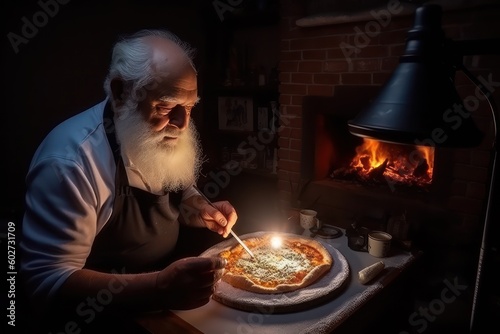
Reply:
x=117, y=91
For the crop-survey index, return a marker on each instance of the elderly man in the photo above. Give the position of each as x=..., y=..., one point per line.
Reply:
x=107, y=189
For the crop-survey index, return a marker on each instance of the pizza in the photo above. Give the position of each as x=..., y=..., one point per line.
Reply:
x=293, y=264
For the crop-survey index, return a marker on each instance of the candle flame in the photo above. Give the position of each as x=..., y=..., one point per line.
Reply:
x=276, y=242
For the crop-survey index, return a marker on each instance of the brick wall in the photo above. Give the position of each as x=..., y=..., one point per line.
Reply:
x=313, y=62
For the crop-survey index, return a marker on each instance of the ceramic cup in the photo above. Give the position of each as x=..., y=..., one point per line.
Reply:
x=379, y=243
x=308, y=219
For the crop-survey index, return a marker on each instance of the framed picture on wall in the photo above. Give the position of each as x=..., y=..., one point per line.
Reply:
x=235, y=113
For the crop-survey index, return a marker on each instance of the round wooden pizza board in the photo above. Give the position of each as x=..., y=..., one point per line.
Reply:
x=316, y=293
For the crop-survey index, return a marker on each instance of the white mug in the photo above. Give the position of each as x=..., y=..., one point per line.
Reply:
x=308, y=219
x=379, y=243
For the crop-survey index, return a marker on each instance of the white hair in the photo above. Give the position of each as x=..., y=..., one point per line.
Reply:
x=132, y=59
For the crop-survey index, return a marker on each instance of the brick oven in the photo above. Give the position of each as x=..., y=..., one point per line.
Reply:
x=330, y=68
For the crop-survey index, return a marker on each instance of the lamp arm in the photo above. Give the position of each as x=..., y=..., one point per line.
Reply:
x=488, y=95
x=482, y=315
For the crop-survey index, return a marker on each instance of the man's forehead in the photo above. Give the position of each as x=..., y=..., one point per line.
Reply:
x=193, y=98
x=181, y=88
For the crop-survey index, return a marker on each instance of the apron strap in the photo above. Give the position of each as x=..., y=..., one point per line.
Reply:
x=109, y=127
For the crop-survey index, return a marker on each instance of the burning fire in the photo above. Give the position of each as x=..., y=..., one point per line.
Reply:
x=379, y=161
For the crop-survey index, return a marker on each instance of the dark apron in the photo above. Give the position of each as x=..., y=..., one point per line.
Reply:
x=143, y=228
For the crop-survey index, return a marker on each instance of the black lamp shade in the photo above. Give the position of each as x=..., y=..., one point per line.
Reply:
x=419, y=104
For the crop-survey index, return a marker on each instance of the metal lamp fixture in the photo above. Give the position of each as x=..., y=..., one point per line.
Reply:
x=419, y=105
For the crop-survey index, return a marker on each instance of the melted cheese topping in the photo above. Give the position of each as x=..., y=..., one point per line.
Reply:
x=274, y=266
x=271, y=267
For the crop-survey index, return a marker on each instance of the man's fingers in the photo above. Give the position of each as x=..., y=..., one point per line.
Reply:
x=201, y=264
x=215, y=215
x=219, y=262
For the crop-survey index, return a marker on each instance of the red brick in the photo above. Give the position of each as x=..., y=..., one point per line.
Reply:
x=326, y=78
x=295, y=122
x=297, y=100
x=366, y=65
x=356, y=78
x=320, y=90
x=323, y=42
x=345, y=29
x=466, y=203
x=296, y=144
x=293, y=89
x=400, y=23
x=284, y=129
x=394, y=37
x=335, y=66
x=310, y=66
x=314, y=54
x=295, y=155
x=374, y=51
x=360, y=39
x=335, y=53
x=288, y=66
x=293, y=166
x=284, y=154
x=284, y=77
x=293, y=110
x=296, y=133
x=285, y=99
x=302, y=78
x=327, y=30
x=284, y=143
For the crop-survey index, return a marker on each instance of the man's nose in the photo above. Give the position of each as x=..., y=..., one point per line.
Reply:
x=179, y=117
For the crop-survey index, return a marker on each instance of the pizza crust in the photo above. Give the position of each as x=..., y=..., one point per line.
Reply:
x=243, y=282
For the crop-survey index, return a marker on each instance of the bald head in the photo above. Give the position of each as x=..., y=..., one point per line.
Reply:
x=146, y=57
x=168, y=55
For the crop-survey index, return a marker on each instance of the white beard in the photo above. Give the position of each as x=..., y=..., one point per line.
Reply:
x=164, y=166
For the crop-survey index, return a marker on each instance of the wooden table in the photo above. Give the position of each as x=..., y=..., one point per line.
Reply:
x=355, y=301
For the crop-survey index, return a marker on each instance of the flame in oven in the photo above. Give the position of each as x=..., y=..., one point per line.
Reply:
x=380, y=161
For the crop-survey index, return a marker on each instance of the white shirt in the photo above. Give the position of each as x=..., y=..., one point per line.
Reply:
x=69, y=198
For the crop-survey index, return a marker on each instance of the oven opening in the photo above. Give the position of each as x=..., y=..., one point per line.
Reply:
x=375, y=162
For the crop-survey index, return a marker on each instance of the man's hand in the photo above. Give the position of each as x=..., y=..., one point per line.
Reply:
x=199, y=212
x=188, y=283
x=220, y=220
